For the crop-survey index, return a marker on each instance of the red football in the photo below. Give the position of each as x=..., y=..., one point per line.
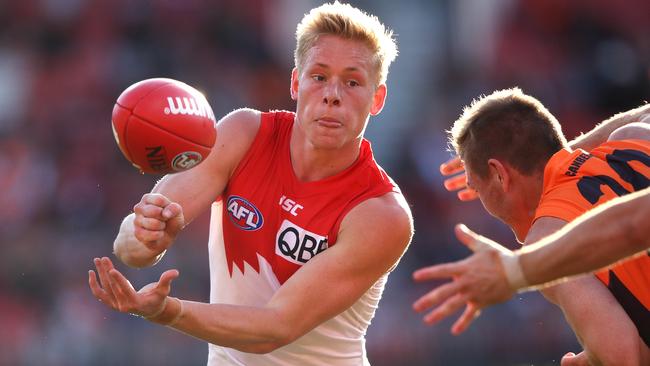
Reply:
x=163, y=126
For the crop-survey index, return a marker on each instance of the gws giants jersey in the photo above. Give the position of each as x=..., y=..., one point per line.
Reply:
x=268, y=224
x=575, y=182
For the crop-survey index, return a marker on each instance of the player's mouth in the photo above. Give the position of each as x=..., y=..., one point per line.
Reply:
x=328, y=122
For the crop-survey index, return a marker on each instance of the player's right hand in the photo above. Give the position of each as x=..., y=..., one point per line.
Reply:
x=458, y=182
x=157, y=221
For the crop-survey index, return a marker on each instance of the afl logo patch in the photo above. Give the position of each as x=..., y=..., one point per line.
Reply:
x=244, y=214
x=186, y=160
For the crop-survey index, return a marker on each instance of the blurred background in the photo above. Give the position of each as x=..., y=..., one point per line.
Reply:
x=65, y=187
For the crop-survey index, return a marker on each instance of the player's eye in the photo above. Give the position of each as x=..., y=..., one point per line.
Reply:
x=318, y=77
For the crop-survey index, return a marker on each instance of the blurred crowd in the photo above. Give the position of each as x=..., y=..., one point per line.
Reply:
x=64, y=185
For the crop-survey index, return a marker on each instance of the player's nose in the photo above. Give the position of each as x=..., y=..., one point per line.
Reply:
x=332, y=94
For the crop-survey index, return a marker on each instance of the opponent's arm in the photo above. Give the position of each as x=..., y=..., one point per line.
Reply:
x=601, y=132
x=372, y=238
x=603, y=328
x=178, y=198
x=585, y=245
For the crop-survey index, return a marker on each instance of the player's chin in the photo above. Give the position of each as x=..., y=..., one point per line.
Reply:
x=328, y=141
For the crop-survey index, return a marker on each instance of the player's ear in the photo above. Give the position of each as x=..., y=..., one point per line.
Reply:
x=294, y=84
x=500, y=173
x=378, y=100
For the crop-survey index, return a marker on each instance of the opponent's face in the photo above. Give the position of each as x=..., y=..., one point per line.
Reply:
x=490, y=193
x=336, y=92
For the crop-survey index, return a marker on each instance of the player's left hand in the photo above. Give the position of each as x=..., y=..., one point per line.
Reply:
x=114, y=290
x=478, y=281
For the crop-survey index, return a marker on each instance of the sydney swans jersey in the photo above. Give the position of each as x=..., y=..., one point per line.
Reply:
x=574, y=182
x=268, y=224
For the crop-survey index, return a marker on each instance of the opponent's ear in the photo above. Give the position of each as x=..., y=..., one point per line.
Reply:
x=500, y=173
x=378, y=100
x=294, y=84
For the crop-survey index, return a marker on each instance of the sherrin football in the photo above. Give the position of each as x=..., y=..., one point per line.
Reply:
x=163, y=126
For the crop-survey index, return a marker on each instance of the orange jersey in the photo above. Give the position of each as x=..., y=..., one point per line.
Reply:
x=574, y=182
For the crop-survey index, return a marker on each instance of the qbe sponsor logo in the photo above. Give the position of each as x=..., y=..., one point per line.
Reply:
x=244, y=214
x=298, y=245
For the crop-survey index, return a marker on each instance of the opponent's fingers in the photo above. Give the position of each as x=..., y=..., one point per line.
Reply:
x=467, y=237
x=97, y=291
x=467, y=194
x=444, y=270
x=436, y=296
x=455, y=183
x=447, y=308
x=452, y=166
x=471, y=312
x=476, y=242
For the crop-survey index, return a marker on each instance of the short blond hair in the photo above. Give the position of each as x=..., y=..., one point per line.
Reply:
x=510, y=126
x=348, y=22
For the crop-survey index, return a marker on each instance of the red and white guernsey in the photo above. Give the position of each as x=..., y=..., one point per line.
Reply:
x=268, y=224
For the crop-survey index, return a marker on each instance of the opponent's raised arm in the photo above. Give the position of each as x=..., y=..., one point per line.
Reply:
x=178, y=198
x=602, y=131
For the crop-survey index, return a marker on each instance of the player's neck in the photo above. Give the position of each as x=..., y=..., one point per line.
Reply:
x=530, y=190
x=311, y=163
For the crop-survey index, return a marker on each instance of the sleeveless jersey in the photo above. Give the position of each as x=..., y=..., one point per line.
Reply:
x=268, y=224
x=574, y=182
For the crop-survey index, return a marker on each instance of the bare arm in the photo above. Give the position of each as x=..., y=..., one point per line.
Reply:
x=585, y=245
x=372, y=238
x=603, y=328
x=601, y=132
x=177, y=199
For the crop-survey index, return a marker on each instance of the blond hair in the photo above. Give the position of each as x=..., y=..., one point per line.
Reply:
x=510, y=126
x=348, y=22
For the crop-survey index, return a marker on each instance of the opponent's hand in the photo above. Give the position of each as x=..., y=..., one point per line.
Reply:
x=157, y=221
x=114, y=290
x=458, y=182
x=478, y=281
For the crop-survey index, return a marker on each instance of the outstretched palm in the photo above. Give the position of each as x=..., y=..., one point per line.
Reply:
x=114, y=290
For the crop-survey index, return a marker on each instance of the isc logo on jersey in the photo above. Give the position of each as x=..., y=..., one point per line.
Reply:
x=244, y=214
x=298, y=245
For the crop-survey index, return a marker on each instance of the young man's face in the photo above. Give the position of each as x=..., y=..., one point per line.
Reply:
x=336, y=91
